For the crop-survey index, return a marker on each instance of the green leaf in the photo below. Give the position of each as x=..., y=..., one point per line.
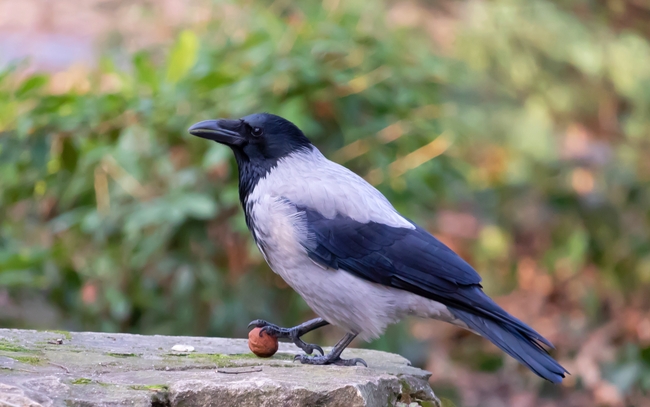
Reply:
x=198, y=206
x=145, y=71
x=183, y=56
x=215, y=155
x=31, y=85
x=446, y=403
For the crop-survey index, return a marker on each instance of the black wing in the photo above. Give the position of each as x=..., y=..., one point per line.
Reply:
x=408, y=259
x=415, y=261
x=384, y=254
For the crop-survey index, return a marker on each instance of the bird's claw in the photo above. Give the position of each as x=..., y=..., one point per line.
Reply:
x=292, y=334
x=271, y=330
x=259, y=323
x=309, y=348
x=328, y=360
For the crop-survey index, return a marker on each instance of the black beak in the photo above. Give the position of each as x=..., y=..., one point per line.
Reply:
x=221, y=130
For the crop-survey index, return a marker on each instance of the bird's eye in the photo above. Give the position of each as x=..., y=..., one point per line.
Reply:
x=257, y=131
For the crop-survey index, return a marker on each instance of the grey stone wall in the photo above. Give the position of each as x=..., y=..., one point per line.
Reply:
x=54, y=368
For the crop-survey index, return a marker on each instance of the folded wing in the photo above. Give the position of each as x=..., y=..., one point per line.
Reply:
x=414, y=260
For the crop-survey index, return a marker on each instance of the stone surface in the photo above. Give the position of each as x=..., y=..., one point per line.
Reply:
x=52, y=368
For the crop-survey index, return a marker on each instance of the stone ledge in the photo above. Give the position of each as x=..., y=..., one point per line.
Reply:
x=54, y=368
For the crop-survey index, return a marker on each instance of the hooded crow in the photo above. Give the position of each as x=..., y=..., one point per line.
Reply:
x=357, y=262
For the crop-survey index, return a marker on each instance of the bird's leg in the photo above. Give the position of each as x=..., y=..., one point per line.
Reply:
x=334, y=357
x=293, y=334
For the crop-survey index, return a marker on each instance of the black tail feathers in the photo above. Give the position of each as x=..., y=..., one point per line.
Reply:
x=517, y=340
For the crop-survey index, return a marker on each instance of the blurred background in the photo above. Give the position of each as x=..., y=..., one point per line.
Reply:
x=516, y=131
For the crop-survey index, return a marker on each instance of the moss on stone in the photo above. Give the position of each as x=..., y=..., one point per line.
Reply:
x=209, y=356
x=7, y=346
x=221, y=356
x=227, y=360
x=219, y=359
x=151, y=387
x=406, y=388
x=133, y=369
x=32, y=360
x=283, y=356
x=122, y=354
x=85, y=380
x=249, y=355
x=64, y=334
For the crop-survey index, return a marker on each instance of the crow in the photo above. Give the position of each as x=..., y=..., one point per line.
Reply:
x=358, y=263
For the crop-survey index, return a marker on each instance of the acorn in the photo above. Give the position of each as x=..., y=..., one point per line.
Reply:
x=263, y=345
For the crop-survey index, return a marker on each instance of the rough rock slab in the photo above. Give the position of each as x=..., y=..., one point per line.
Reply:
x=53, y=368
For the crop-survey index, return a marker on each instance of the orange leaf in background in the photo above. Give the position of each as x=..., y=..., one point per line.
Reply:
x=89, y=293
x=582, y=181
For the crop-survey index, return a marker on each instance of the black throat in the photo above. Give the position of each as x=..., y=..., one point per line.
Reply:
x=250, y=173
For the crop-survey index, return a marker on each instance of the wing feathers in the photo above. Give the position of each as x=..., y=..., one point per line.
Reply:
x=409, y=250
x=415, y=261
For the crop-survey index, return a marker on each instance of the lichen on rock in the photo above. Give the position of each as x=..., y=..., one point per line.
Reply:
x=97, y=369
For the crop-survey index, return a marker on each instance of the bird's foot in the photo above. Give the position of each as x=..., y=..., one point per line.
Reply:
x=329, y=359
x=292, y=334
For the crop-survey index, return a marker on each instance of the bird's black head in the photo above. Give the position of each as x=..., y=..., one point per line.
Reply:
x=259, y=141
x=257, y=138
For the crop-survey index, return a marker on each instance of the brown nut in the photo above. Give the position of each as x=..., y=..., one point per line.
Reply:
x=263, y=346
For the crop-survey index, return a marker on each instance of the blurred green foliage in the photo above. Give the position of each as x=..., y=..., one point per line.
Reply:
x=105, y=187
x=534, y=121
